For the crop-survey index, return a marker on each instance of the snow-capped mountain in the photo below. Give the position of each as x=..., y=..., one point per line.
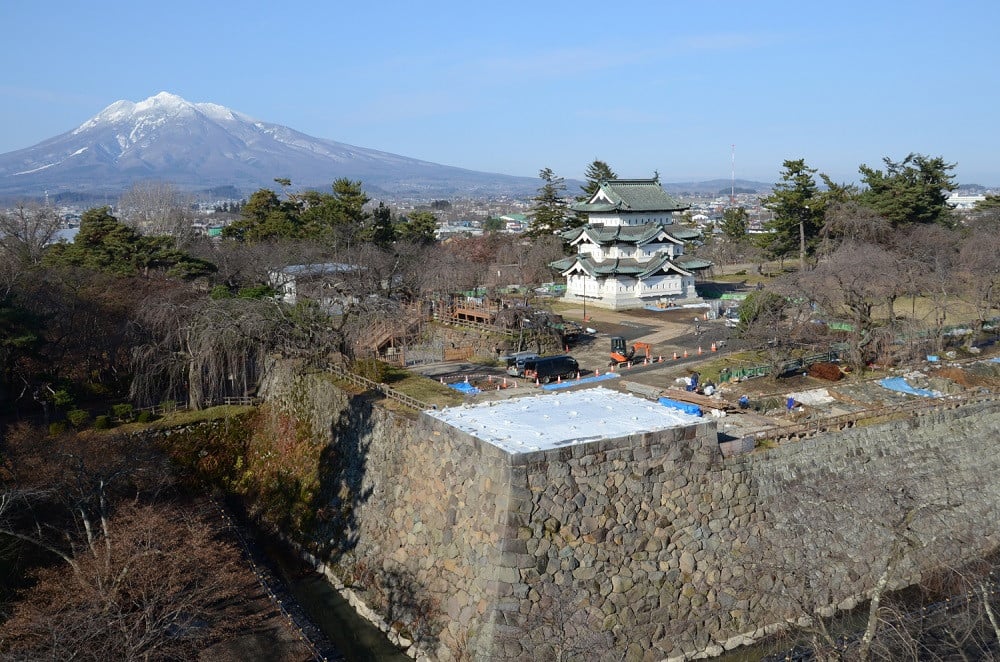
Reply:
x=204, y=145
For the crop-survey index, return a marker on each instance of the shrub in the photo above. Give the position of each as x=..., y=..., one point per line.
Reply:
x=78, y=417
x=102, y=422
x=122, y=412
x=62, y=398
x=169, y=406
x=57, y=428
x=256, y=292
x=144, y=416
x=372, y=369
x=221, y=292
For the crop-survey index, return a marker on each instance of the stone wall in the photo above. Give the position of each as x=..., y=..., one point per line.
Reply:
x=661, y=549
x=426, y=509
x=651, y=546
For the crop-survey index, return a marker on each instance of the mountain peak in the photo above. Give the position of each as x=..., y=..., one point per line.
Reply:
x=198, y=145
x=162, y=101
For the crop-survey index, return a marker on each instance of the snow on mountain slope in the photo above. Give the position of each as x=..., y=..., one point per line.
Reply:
x=201, y=145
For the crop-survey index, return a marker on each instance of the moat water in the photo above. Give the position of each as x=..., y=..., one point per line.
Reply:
x=355, y=639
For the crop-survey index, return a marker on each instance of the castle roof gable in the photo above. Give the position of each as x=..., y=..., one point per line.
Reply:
x=630, y=195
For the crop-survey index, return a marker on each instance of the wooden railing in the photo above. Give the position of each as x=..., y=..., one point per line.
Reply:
x=167, y=407
x=387, y=391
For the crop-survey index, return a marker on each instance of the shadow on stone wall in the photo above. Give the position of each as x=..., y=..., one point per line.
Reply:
x=408, y=609
x=342, y=466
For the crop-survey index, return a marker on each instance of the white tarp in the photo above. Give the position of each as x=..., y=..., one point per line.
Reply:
x=542, y=422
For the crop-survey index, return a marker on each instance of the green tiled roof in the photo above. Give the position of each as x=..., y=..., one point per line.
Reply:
x=630, y=195
x=685, y=234
x=619, y=267
x=692, y=263
x=605, y=235
x=563, y=264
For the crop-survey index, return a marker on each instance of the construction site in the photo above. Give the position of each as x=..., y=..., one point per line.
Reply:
x=691, y=355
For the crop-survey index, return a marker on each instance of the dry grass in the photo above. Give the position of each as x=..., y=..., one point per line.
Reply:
x=423, y=388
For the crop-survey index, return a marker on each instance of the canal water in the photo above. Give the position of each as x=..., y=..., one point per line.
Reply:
x=355, y=639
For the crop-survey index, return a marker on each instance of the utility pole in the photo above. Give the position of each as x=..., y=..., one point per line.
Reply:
x=802, y=239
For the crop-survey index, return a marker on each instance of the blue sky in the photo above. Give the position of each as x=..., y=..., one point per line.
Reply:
x=513, y=87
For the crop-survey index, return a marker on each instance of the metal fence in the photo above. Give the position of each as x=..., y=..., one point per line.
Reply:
x=792, y=365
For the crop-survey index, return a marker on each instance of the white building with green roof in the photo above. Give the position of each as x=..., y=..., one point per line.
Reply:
x=630, y=254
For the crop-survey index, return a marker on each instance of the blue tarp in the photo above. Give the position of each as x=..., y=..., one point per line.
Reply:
x=899, y=384
x=465, y=387
x=995, y=360
x=685, y=407
x=566, y=383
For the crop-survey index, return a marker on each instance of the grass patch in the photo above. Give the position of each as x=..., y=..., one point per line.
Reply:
x=423, y=388
x=189, y=417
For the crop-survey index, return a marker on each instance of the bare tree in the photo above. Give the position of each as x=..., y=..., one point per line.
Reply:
x=157, y=208
x=931, y=251
x=853, y=223
x=448, y=270
x=128, y=573
x=561, y=629
x=978, y=272
x=205, y=349
x=26, y=230
x=852, y=283
x=908, y=527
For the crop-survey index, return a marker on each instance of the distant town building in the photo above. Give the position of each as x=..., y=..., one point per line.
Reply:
x=630, y=255
x=515, y=222
x=964, y=202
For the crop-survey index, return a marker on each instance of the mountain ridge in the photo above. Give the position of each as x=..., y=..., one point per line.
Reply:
x=200, y=146
x=204, y=145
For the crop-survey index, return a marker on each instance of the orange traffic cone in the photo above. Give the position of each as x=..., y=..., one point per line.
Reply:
x=578, y=374
x=685, y=353
x=659, y=359
x=597, y=373
x=675, y=356
x=699, y=350
x=714, y=348
x=559, y=379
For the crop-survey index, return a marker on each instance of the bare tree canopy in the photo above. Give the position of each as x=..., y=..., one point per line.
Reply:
x=157, y=208
x=26, y=230
x=125, y=570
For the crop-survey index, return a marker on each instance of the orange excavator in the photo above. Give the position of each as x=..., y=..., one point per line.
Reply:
x=622, y=354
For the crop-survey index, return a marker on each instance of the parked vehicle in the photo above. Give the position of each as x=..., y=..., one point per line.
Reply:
x=549, y=368
x=732, y=317
x=515, y=362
